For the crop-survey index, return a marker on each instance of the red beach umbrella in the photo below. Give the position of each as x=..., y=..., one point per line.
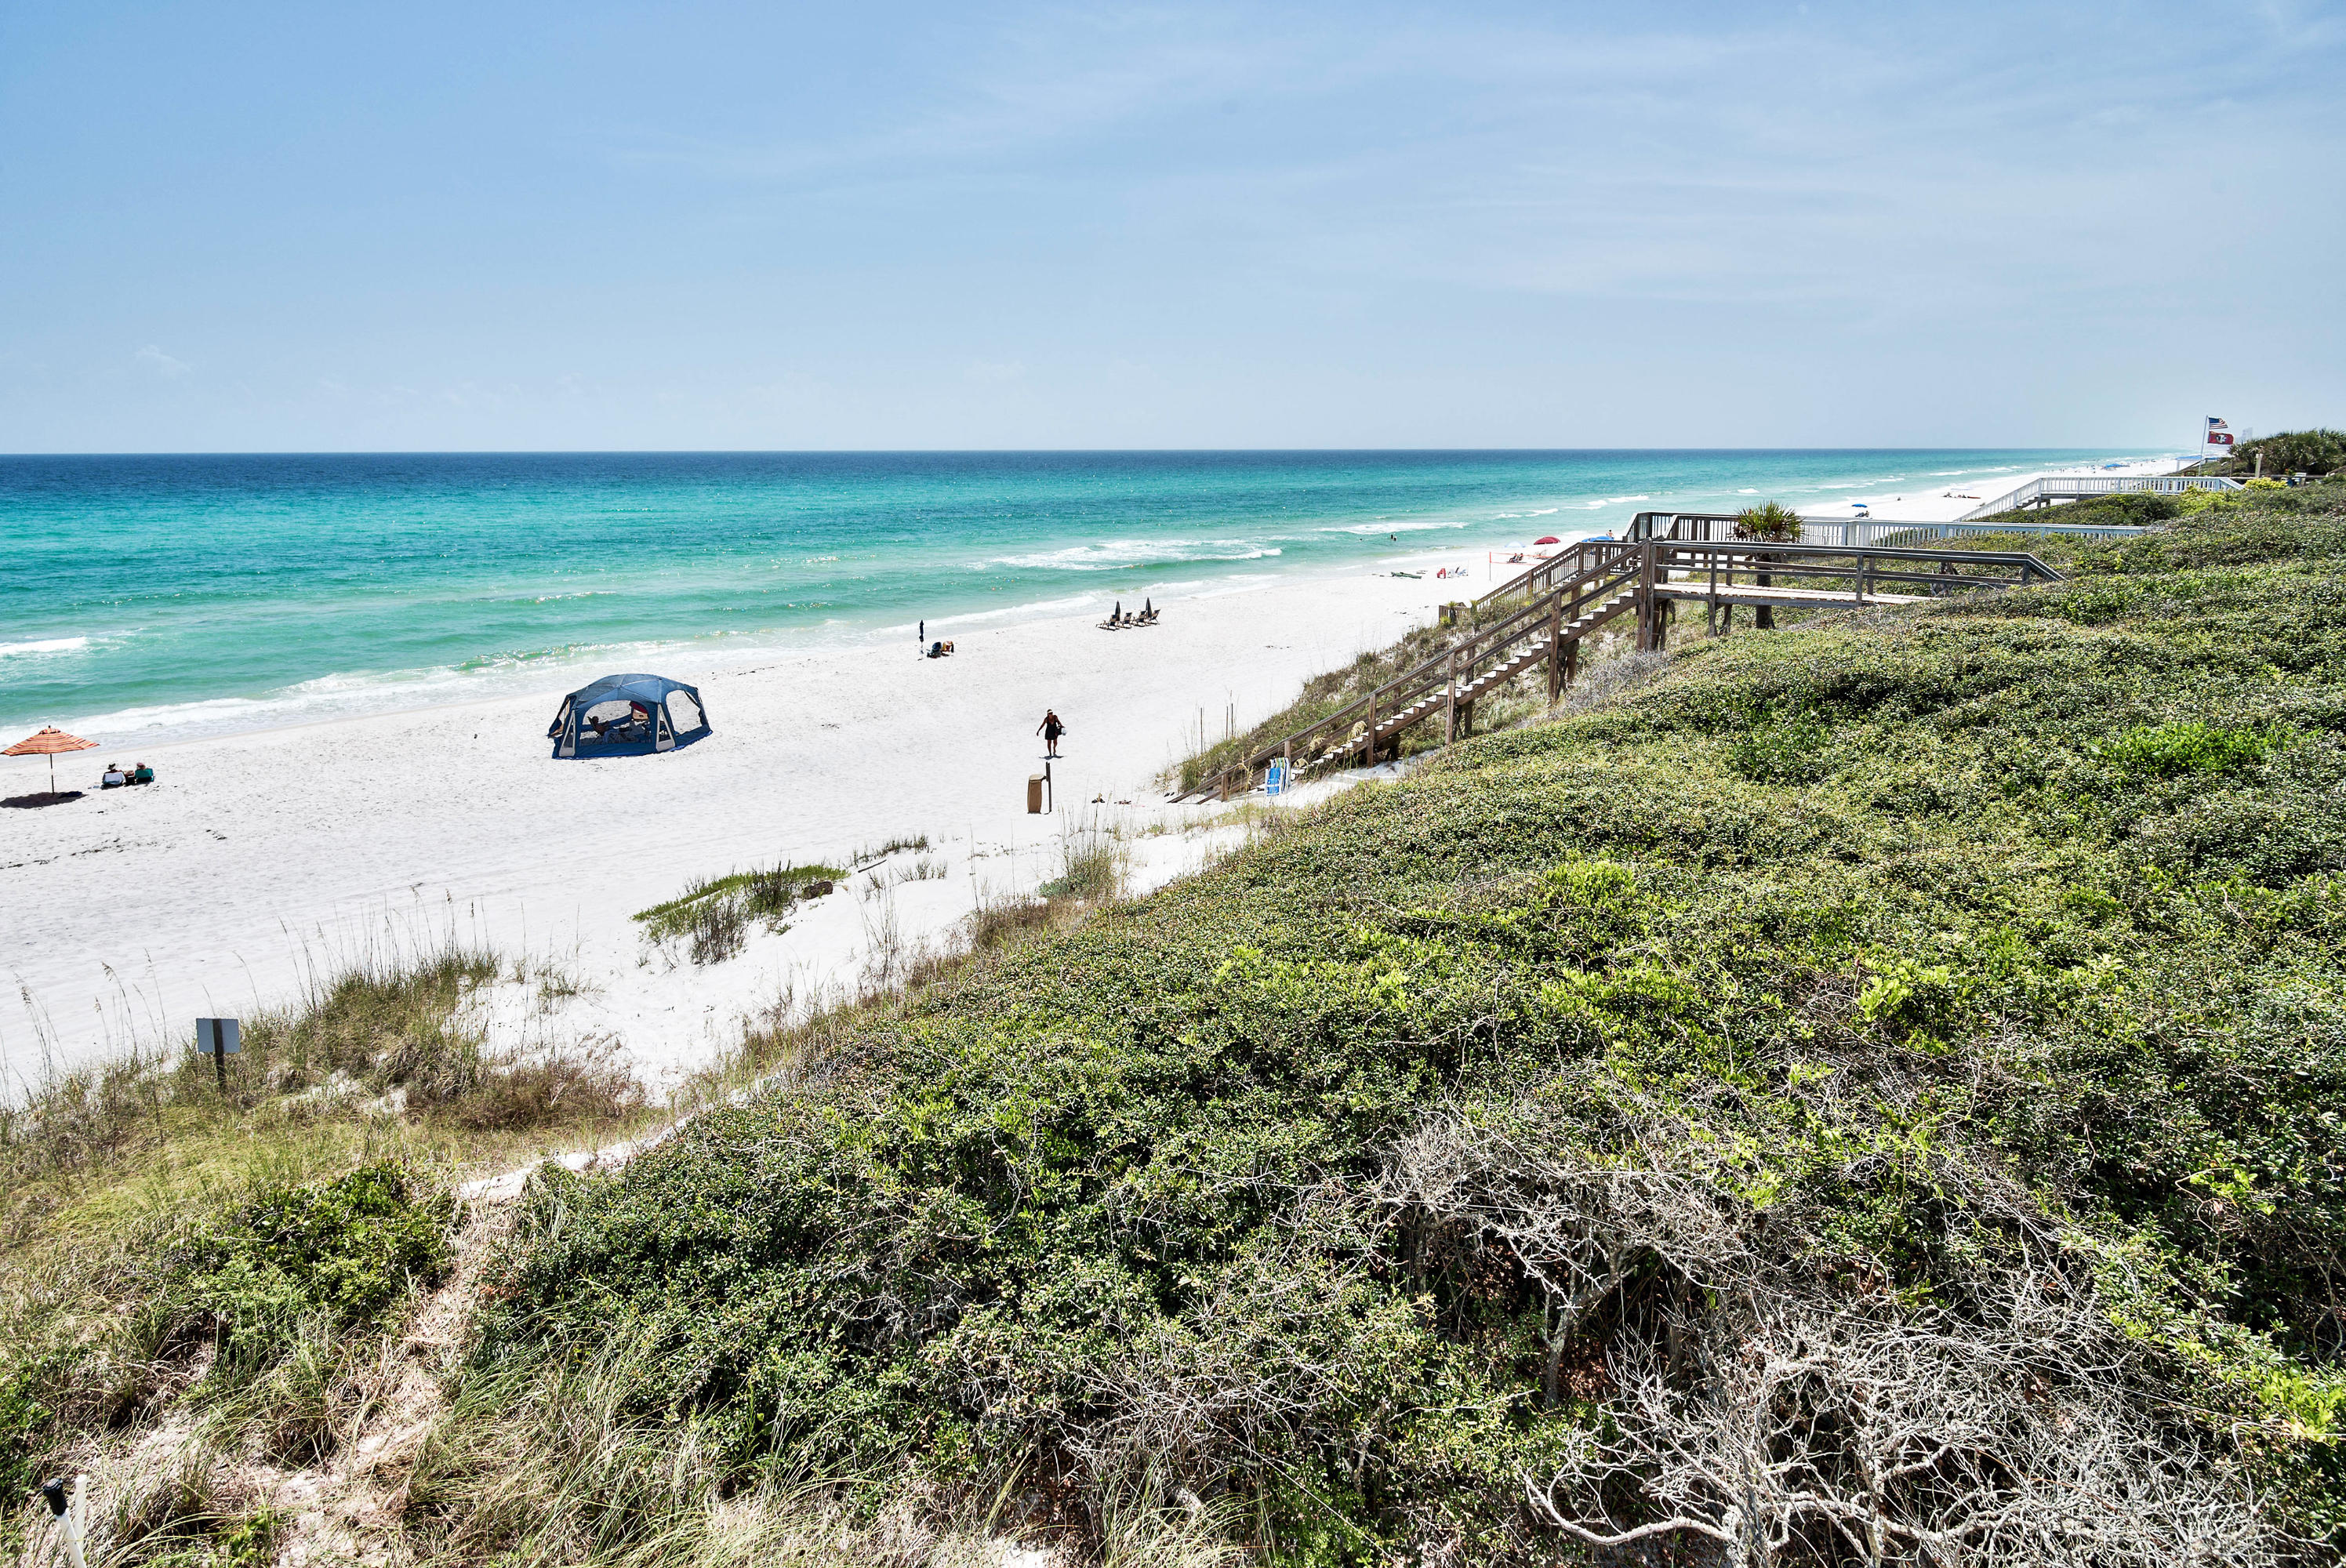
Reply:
x=48, y=743
x=1551, y=539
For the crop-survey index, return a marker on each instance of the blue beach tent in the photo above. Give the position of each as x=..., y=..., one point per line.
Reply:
x=621, y=714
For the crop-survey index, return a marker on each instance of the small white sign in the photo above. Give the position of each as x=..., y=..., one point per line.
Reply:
x=216, y=1036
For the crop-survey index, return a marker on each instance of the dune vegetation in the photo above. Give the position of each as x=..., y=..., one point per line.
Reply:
x=1870, y=1095
x=2311, y=451
x=1867, y=1092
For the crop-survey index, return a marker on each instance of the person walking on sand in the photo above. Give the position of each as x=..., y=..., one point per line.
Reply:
x=1050, y=729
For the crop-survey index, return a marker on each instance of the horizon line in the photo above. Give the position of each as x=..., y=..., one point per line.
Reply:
x=1033, y=450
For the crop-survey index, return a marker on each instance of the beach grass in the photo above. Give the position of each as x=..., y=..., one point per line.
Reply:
x=194, y=1280
x=712, y=917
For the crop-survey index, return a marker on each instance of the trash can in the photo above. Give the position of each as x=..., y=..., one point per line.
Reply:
x=1035, y=794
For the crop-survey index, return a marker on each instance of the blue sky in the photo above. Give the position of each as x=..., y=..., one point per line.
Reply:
x=234, y=227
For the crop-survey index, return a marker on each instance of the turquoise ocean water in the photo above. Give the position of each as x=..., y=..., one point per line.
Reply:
x=160, y=597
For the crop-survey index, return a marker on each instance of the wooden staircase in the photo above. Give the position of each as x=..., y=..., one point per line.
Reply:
x=1548, y=629
x=1562, y=600
x=1521, y=658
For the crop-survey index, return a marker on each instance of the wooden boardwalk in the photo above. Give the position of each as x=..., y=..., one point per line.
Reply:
x=1540, y=618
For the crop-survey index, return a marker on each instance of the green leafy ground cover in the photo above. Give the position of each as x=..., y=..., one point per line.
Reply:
x=1920, y=1030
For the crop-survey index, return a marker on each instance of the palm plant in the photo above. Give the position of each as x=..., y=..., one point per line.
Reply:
x=1770, y=522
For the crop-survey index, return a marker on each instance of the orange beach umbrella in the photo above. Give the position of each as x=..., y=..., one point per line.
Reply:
x=48, y=743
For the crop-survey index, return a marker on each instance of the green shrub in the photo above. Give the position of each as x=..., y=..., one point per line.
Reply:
x=2184, y=746
x=1792, y=750
x=347, y=1251
x=1916, y=998
x=2312, y=451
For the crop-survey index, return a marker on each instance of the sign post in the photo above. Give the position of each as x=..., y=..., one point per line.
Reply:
x=217, y=1038
x=72, y=1513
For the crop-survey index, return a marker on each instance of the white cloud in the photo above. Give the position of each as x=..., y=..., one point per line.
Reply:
x=161, y=363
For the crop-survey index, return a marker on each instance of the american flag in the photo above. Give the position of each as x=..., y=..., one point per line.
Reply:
x=2214, y=423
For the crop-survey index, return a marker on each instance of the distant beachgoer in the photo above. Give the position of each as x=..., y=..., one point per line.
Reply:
x=145, y=775
x=920, y=638
x=1050, y=729
x=113, y=779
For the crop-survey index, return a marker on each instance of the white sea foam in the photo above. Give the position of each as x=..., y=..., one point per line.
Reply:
x=1367, y=528
x=1121, y=555
x=347, y=693
x=43, y=645
x=1015, y=612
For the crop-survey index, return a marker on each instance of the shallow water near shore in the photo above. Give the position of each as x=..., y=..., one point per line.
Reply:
x=160, y=597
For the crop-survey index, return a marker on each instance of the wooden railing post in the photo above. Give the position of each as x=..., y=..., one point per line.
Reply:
x=1648, y=554
x=1369, y=740
x=1554, y=648
x=1449, y=704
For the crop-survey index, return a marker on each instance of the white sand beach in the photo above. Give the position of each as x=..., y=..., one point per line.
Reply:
x=260, y=859
x=1926, y=500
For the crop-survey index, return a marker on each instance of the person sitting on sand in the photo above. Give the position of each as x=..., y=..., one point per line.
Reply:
x=1050, y=729
x=145, y=775
x=113, y=778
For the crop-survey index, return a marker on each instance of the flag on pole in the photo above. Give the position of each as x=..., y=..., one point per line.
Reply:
x=2214, y=423
x=2219, y=433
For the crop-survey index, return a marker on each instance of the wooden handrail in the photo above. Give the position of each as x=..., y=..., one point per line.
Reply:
x=1596, y=573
